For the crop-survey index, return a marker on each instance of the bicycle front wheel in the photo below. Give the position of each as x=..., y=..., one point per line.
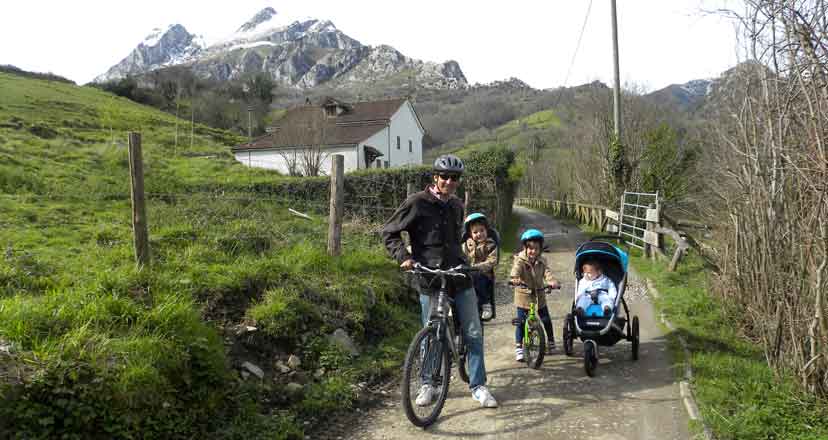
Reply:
x=426, y=365
x=534, y=346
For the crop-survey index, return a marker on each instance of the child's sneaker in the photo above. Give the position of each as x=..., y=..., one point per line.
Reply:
x=482, y=395
x=519, y=354
x=487, y=312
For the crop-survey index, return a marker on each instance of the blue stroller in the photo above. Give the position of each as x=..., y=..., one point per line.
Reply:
x=593, y=327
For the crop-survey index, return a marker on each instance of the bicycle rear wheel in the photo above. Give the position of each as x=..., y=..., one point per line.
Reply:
x=427, y=361
x=534, y=347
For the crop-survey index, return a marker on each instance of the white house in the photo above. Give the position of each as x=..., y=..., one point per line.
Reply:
x=372, y=134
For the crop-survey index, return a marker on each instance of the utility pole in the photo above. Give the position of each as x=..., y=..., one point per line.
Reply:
x=616, y=91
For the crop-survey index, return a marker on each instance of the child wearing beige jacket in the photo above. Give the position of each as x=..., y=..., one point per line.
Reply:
x=531, y=269
x=482, y=253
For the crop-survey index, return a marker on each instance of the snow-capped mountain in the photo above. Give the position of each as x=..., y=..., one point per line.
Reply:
x=163, y=47
x=296, y=53
x=687, y=96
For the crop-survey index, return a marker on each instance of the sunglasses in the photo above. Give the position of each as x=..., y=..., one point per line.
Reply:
x=454, y=177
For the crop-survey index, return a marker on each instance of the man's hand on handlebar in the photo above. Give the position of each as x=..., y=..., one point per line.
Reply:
x=407, y=264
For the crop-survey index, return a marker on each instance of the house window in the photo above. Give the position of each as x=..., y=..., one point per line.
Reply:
x=379, y=163
x=386, y=164
x=398, y=142
x=410, y=146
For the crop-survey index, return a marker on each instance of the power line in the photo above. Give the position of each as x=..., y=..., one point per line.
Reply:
x=574, y=55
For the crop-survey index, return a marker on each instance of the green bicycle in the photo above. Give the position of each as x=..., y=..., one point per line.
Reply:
x=534, y=336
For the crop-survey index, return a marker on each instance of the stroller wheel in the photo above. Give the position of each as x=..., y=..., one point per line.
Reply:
x=590, y=358
x=568, y=334
x=635, y=338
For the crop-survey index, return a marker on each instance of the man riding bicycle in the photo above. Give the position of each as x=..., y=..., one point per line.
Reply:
x=433, y=219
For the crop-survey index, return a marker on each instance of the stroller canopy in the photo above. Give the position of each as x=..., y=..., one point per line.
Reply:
x=612, y=259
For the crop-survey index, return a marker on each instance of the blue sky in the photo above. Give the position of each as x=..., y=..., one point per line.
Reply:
x=661, y=42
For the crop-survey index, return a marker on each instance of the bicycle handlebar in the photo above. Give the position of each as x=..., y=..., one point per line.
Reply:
x=523, y=285
x=457, y=271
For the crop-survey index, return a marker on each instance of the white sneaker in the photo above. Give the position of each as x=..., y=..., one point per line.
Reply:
x=519, y=354
x=425, y=396
x=482, y=395
x=487, y=312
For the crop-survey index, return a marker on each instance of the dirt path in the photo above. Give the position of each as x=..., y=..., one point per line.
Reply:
x=626, y=399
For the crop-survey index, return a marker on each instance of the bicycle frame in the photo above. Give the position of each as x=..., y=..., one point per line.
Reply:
x=533, y=308
x=439, y=318
x=444, y=326
x=533, y=315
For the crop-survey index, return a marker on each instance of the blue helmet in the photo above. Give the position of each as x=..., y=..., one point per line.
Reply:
x=474, y=218
x=530, y=235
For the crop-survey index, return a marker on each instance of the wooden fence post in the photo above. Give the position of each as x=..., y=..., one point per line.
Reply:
x=680, y=249
x=139, y=212
x=653, y=218
x=336, y=208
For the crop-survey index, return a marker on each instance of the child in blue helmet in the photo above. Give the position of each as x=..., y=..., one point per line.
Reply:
x=482, y=253
x=531, y=269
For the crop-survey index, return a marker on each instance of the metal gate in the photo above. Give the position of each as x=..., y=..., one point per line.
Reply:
x=637, y=209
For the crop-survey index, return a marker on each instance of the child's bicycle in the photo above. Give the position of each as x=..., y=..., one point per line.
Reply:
x=534, y=336
x=432, y=352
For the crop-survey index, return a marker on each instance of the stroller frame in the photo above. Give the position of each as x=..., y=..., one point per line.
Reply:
x=595, y=331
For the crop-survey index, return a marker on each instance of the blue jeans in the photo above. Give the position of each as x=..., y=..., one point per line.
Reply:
x=546, y=320
x=465, y=303
x=484, y=287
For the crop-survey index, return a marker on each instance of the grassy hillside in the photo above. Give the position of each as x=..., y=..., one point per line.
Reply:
x=93, y=347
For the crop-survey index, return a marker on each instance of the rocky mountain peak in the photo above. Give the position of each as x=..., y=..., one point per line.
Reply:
x=302, y=54
x=697, y=87
x=262, y=16
x=162, y=47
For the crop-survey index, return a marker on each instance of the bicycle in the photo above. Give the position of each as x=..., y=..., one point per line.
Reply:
x=534, y=336
x=433, y=350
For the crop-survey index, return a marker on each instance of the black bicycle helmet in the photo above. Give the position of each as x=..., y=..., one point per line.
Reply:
x=448, y=163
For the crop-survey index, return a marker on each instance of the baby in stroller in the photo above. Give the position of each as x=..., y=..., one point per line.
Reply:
x=600, y=316
x=594, y=288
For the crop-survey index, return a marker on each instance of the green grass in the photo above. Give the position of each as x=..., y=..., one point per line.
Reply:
x=540, y=120
x=103, y=349
x=517, y=133
x=738, y=395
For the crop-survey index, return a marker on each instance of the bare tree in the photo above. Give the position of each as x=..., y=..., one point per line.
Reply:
x=291, y=158
x=772, y=182
x=312, y=159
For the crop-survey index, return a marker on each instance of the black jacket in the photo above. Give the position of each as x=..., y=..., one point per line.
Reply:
x=434, y=228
